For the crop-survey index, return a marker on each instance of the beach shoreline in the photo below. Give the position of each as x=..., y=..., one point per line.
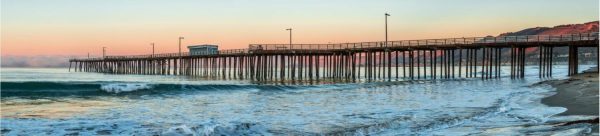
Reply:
x=578, y=93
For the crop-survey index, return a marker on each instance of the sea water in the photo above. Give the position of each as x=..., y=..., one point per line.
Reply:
x=57, y=102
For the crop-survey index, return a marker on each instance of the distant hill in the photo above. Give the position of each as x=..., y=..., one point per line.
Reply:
x=557, y=30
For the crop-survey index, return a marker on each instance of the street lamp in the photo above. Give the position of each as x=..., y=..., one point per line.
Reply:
x=180, y=38
x=152, y=49
x=290, y=29
x=103, y=52
x=180, y=61
x=386, y=29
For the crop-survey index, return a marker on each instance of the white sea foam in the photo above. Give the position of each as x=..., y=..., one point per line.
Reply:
x=182, y=130
x=442, y=107
x=124, y=87
x=212, y=128
x=523, y=113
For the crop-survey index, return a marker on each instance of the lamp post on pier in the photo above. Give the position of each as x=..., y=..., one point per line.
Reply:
x=180, y=38
x=290, y=29
x=103, y=52
x=180, y=61
x=386, y=29
x=152, y=49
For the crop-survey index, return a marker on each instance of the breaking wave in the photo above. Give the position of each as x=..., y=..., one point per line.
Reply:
x=118, y=88
x=58, y=89
x=212, y=128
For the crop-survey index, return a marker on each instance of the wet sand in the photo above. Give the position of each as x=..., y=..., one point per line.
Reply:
x=579, y=94
x=44, y=108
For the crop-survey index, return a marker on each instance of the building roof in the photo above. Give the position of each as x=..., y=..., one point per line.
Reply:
x=203, y=46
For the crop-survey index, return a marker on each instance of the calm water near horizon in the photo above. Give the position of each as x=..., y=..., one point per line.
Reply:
x=45, y=101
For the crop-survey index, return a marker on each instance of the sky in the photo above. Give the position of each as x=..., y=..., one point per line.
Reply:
x=127, y=27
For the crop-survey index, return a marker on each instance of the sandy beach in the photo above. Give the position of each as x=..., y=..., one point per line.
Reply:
x=579, y=94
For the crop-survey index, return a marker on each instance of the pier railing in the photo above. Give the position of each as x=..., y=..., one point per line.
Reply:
x=431, y=42
x=379, y=44
x=162, y=55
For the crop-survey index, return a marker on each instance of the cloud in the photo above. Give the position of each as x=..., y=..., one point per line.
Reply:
x=35, y=61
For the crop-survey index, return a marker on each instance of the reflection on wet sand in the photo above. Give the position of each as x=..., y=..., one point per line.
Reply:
x=47, y=108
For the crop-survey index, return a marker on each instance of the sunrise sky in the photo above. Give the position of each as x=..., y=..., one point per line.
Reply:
x=76, y=27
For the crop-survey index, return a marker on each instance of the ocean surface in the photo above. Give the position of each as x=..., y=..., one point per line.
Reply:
x=57, y=102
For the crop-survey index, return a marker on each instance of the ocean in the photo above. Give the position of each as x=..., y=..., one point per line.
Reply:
x=46, y=101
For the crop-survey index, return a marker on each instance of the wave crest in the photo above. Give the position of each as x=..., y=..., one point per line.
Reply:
x=62, y=89
x=212, y=128
x=125, y=87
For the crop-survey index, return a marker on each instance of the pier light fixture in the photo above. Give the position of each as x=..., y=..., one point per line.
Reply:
x=290, y=29
x=180, y=60
x=103, y=52
x=180, y=38
x=152, y=44
x=386, y=29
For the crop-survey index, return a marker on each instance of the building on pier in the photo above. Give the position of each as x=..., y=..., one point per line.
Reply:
x=204, y=49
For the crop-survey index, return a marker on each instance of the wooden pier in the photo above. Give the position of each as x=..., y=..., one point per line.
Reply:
x=474, y=57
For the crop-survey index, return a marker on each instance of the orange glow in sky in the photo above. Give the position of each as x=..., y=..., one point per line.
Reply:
x=69, y=27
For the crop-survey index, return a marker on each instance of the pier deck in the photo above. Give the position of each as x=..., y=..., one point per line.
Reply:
x=407, y=59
